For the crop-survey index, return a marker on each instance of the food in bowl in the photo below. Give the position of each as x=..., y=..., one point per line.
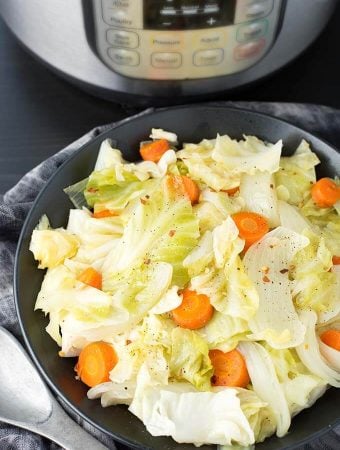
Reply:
x=200, y=287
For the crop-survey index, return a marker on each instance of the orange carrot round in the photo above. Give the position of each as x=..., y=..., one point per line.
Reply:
x=95, y=363
x=180, y=185
x=336, y=260
x=229, y=369
x=251, y=226
x=191, y=189
x=194, y=311
x=331, y=338
x=104, y=213
x=325, y=193
x=231, y=191
x=153, y=151
x=91, y=277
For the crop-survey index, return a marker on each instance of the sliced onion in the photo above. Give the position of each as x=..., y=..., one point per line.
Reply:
x=265, y=383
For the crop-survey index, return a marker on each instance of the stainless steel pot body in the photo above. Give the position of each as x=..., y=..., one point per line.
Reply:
x=156, y=51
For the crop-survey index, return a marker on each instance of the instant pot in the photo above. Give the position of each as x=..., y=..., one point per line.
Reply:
x=165, y=51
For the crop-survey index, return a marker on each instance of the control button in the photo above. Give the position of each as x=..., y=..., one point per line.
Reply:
x=123, y=13
x=121, y=38
x=118, y=18
x=166, y=60
x=208, y=57
x=211, y=21
x=124, y=57
x=251, y=31
x=211, y=9
x=249, y=50
x=247, y=10
x=189, y=10
x=168, y=11
x=258, y=9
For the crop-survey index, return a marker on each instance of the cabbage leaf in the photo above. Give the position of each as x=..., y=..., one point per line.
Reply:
x=190, y=358
x=163, y=228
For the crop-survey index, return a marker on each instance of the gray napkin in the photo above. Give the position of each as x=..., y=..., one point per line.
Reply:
x=16, y=203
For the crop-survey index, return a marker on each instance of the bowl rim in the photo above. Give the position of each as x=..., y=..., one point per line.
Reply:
x=149, y=111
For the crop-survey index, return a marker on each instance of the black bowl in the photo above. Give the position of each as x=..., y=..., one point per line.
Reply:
x=191, y=123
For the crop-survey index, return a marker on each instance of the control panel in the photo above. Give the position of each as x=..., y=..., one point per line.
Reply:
x=184, y=39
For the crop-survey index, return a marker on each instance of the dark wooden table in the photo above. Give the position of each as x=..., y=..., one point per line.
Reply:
x=41, y=113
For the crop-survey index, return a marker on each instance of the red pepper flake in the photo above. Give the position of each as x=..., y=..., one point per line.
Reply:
x=128, y=341
x=147, y=261
x=172, y=233
x=92, y=189
x=265, y=269
x=143, y=201
x=265, y=279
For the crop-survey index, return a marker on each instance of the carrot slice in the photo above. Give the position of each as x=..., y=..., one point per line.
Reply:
x=331, y=338
x=231, y=191
x=229, y=369
x=95, y=363
x=153, y=151
x=251, y=226
x=194, y=311
x=325, y=193
x=104, y=213
x=180, y=185
x=91, y=277
x=336, y=260
x=191, y=189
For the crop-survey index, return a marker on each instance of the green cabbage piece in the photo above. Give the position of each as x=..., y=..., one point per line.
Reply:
x=163, y=228
x=260, y=416
x=189, y=416
x=217, y=271
x=61, y=294
x=105, y=191
x=52, y=246
x=224, y=203
x=208, y=216
x=297, y=174
x=202, y=167
x=314, y=285
x=75, y=193
x=220, y=162
x=190, y=358
x=301, y=387
x=157, y=330
x=115, y=182
x=246, y=156
x=325, y=222
x=86, y=314
x=224, y=331
x=137, y=291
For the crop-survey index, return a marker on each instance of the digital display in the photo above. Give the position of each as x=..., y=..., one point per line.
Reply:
x=187, y=14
